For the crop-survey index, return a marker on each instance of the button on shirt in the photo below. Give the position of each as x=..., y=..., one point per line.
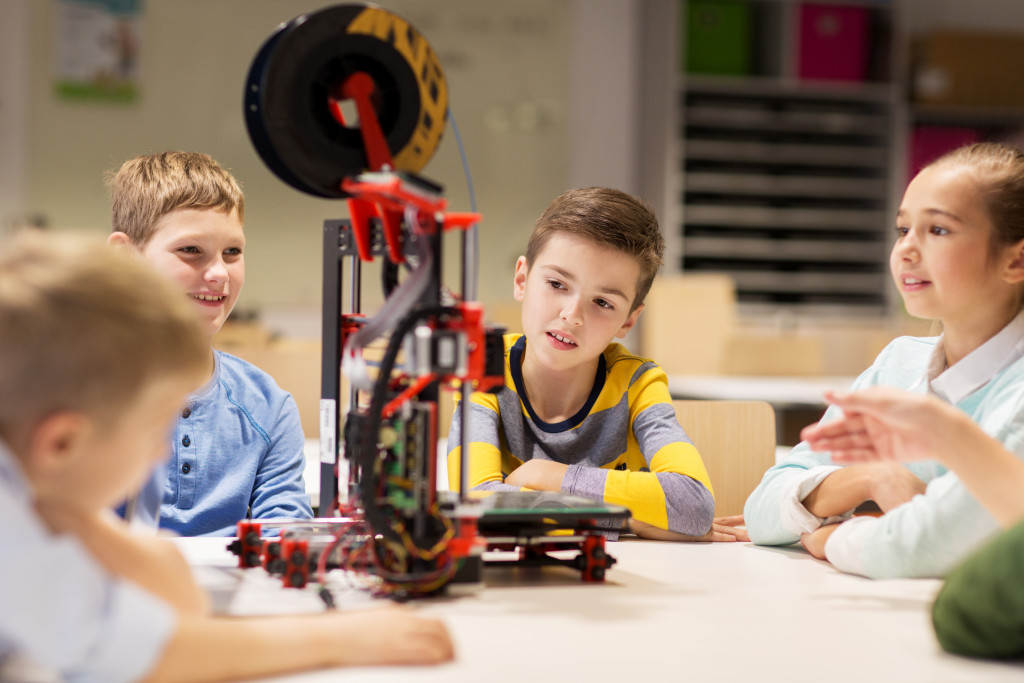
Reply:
x=60, y=609
x=238, y=446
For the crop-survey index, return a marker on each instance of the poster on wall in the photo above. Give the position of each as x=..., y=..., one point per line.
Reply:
x=96, y=49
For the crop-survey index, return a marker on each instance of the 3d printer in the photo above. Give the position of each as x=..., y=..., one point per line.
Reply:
x=350, y=102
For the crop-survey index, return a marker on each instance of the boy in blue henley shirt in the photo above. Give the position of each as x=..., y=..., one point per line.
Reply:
x=238, y=443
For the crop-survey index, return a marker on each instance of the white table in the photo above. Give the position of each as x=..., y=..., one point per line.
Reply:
x=781, y=392
x=668, y=612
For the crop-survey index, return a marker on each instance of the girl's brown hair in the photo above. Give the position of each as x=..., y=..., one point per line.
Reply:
x=999, y=169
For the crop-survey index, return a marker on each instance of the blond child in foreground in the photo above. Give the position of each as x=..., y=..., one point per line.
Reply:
x=96, y=355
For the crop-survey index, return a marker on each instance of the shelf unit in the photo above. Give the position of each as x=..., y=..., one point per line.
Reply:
x=782, y=177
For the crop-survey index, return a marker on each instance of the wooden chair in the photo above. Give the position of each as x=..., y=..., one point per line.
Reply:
x=736, y=439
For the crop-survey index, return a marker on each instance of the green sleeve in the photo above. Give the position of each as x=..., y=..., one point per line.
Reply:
x=980, y=610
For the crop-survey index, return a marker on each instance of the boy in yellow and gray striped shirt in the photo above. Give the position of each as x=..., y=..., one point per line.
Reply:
x=580, y=414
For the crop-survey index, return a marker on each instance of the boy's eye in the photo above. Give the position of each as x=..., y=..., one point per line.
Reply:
x=189, y=250
x=233, y=251
x=939, y=230
x=900, y=232
x=604, y=304
x=555, y=284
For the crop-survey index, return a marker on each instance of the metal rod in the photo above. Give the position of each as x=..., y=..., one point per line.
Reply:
x=464, y=407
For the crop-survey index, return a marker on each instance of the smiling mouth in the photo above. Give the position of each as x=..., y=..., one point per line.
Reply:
x=914, y=281
x=562, y=339
x=209, y=297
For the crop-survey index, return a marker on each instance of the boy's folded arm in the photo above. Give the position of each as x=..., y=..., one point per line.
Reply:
x=665, y=500
x=485, y=471
x=485, y=456
x=675, y=493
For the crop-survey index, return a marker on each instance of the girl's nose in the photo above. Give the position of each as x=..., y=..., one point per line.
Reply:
x=907, y=248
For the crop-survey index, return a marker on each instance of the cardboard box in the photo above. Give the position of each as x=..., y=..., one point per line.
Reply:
x=687, y=322
x=969, y=69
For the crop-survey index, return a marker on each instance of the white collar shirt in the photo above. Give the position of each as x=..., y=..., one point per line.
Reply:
x=973, y=371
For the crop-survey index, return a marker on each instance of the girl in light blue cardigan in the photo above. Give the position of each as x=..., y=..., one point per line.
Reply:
x=959, y=259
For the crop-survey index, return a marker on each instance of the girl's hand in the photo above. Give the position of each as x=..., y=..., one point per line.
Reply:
x=882, y=423
x=814, y=541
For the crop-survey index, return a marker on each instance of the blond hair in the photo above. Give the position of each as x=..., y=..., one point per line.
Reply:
x=609, y=218
x=84, y=327
x=147, y=188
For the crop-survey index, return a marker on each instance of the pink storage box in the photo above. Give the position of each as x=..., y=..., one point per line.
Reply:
x=833, y=43
x=928, y=143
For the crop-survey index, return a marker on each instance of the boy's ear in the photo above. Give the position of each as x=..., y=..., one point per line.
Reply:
x=630, y=321
x=120, y=239
x=519, y=279
x=56, y=440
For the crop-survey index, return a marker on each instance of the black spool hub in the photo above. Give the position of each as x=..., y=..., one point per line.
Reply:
x=306, y=60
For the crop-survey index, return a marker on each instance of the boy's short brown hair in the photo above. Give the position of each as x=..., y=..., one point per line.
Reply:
x=609, y=218
x=147, y=188
x=84, y=327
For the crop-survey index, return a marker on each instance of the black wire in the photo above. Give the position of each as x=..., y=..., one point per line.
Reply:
x=368, y=439
x=389, y=276
x=327, y=597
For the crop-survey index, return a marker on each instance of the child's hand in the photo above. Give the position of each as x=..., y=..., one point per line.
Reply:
x=814, y=541
x=892, y=485
x=730, y=528
x=539, y=475
x=889, y=484
x=723, y=530
x=882, y=423
x=393, y=635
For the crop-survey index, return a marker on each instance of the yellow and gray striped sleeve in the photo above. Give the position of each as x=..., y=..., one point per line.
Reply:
x=675, y=492
x=488, y=464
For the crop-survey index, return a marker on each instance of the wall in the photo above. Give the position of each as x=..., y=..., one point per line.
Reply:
x=604, y=94
x=14, y=108
x=1002, y=16
x=508, y=71
x=547, y=94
